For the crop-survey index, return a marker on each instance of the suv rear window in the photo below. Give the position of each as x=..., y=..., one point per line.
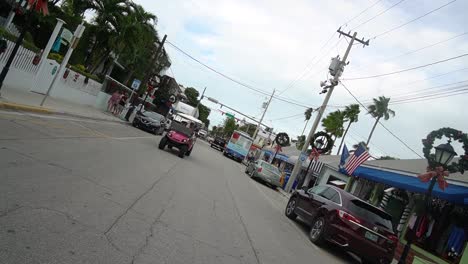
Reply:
x=270, y=167
x=370, y=214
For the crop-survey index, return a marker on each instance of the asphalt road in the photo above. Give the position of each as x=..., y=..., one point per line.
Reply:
x=82, y=191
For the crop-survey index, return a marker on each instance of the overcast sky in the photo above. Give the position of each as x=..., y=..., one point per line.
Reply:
x=268, y=44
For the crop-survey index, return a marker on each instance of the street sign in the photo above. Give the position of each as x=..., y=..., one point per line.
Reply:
x=229, y=115
x=136, y=84
x=303, y=157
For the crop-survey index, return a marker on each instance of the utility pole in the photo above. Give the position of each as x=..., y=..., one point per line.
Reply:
x=263, y=115
x=201, y=97
x=150, y=72
x=334, y=82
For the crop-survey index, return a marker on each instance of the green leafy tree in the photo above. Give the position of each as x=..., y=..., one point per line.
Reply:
x=203, y=113
x=300, y=142
x=379, y=109
x=192, y=96
x=351, y=114
x=248, y=128
x=229, y=126
x=333, y=123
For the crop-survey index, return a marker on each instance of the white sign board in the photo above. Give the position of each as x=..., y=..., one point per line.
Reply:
x=136, y=84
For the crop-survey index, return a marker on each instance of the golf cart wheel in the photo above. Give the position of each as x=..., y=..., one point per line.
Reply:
x=182, y=151
x=163, y=143
x=189, y=152
x=169, y=147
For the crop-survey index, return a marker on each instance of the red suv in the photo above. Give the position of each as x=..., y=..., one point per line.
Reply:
x=345, y=220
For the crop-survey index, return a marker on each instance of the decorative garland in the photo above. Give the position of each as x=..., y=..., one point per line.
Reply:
x=327, y=146
x=282, y=139
x=453, y=134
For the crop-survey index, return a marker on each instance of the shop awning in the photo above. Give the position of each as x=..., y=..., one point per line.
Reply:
x=453, y=193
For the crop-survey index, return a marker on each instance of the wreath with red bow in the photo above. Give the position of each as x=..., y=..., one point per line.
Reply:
x=455, y=135
x=327, y=142
x=282, y=139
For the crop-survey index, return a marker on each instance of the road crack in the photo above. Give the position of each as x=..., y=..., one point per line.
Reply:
x=166, y=174
x=151, y=230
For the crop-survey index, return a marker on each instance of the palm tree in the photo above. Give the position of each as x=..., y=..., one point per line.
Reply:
x=378, y=110
x=351, y=113
x=308, y=115
x=333, y=123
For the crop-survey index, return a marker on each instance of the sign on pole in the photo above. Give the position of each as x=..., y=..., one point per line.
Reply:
x=136, y=84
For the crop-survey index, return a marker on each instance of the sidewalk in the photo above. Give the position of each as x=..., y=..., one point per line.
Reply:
x=30, y=102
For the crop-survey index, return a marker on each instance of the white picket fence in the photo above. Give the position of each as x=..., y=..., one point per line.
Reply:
x=23, y=59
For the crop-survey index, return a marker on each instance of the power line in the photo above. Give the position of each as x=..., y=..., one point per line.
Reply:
x=290, y=101
x=463, y=91
x=456, y=89
x=379, y=14
x=362, y=12
x=416, y=92
x=292, y=83
x=405, y=70
x=417, y=50
x=217, y=72
x=287, y=117
x=388, y=130
x=415, y=19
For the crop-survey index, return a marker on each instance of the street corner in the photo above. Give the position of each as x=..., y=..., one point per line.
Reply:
x=26, y=108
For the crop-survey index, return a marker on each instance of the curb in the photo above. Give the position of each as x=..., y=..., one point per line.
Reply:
x=285, y=194
x=28, y=108
x=89, y=117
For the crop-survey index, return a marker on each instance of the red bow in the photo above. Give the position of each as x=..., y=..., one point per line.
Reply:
x=278, y=148
x=314, y=154
x=39, y=6
x=438, y=172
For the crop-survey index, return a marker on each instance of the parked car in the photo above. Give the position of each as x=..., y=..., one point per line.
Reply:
x=345, y=220
x=150, y=121
x=209, y=139
x=219, y=143
x=265, y=172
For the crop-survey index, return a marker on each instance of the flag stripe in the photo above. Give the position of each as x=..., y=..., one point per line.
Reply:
x=359, y=157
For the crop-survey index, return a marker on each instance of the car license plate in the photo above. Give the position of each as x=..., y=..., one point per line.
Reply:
x=371, y=237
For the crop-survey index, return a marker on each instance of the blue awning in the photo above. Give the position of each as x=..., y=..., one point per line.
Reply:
x=453, y=193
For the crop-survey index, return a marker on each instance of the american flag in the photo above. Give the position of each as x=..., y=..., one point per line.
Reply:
x=359, y=156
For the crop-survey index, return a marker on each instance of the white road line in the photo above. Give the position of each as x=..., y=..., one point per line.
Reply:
x=125, y=138
x=60, y=117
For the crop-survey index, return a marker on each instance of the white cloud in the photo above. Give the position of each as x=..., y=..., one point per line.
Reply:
x=267, y=44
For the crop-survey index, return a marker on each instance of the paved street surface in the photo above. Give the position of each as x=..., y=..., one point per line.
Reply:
x=82, y=191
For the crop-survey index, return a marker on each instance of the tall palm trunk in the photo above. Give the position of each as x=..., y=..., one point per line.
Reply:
x=372, y=131
x=342, y=139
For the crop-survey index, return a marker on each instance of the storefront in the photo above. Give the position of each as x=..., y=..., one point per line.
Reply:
x=443, y=233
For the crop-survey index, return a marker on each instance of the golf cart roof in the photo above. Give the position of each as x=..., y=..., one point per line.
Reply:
x=191, y=118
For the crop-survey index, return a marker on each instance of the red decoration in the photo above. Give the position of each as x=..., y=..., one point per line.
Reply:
x=278, y=148
x=438, y=172
x=314, y=154
x=39, y=6
x=235, y=136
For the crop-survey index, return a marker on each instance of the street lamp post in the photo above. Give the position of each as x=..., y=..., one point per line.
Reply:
x=444, y=153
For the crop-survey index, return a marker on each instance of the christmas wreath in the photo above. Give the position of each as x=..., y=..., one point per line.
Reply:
x=327, y=142
x=282, y=139
x=462, y=164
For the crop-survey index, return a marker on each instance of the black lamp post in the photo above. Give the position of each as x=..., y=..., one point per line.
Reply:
x=444, y=153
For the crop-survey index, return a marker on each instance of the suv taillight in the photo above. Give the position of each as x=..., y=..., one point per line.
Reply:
x=349, y=217
x=393, y=238
x=259, y=169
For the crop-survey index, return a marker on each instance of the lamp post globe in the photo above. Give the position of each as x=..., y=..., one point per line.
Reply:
x=444, y=153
